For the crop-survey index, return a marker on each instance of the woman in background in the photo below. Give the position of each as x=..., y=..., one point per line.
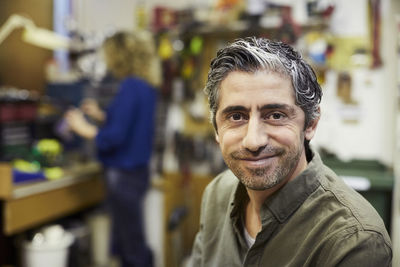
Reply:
x=124, y=138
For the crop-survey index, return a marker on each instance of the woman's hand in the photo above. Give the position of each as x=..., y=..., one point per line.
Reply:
x=91, y=108
x=78, y=124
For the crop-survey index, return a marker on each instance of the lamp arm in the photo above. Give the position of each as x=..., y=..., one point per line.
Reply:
x=13, y=22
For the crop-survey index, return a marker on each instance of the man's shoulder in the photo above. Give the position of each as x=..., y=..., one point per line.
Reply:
x=222, y=186
x=361, y=214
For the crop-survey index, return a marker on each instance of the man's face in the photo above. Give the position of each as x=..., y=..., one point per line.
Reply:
x=261, y=129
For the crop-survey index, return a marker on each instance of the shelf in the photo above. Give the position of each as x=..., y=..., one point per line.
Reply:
x=239, y=27
x=72, y=176
x=33, y=204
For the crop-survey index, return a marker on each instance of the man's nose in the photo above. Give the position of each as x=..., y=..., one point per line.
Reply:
x=256, y=135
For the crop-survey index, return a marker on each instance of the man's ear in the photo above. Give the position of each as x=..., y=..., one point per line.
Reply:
x=216, y=137
x=311, y=129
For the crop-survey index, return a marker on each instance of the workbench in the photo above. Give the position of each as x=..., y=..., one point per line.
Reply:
x=33, y=204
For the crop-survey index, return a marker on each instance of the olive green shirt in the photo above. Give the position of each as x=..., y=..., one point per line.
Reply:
x=314, y=220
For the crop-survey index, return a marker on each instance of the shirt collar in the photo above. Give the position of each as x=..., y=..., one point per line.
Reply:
x=283, y=203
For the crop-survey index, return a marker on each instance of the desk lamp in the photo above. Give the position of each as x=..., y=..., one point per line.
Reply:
x=34, y=35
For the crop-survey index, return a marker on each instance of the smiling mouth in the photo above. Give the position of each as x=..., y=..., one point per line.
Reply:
x=258, y=162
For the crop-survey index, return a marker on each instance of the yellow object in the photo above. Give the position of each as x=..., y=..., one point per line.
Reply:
x=49, y=147
x=53, y=173
x=165, y=50
x=141, y=17
x=345, y=48
x=26, y=166
x=187, y=68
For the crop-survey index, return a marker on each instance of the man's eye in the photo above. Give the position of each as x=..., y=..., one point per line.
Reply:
x=276, y=116
x=236, y=116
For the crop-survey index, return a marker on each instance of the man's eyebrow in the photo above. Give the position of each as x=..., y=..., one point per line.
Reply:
x=230, y=109
x=239, y=108
x=286, y=107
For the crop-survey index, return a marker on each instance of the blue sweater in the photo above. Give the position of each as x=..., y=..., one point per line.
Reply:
x=126, y=138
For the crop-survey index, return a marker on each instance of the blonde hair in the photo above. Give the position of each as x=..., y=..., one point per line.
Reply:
x=134, y=54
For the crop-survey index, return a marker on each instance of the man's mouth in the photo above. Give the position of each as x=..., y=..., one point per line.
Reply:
x=261, y=159
x=256, y=162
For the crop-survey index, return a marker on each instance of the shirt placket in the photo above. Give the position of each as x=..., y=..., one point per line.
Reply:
x=255, y=253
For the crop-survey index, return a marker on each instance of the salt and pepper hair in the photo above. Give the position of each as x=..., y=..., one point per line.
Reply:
x=133, y=53
x=257, y=54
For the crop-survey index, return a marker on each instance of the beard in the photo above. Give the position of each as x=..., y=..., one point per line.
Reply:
x=261, y=178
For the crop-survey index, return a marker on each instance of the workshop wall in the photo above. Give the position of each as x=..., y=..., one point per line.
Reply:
x=344, y=122
x=352, y=50
x=362, y=126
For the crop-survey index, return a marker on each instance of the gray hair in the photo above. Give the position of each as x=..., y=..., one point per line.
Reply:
x=253, y=54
